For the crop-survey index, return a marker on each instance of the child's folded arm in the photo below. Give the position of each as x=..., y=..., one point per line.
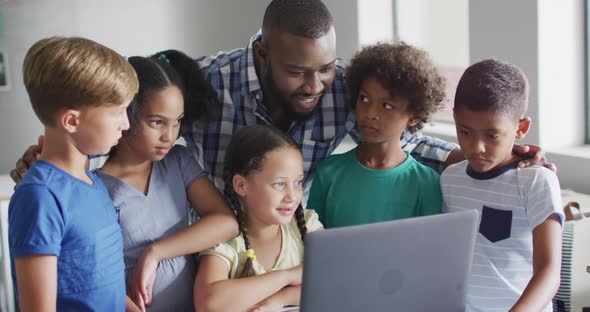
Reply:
x=214, y=291
x=288, y=296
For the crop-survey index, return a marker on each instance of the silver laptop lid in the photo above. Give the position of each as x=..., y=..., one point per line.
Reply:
x=417, y=264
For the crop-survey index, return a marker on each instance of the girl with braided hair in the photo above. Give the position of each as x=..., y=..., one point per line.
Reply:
x=260, y=270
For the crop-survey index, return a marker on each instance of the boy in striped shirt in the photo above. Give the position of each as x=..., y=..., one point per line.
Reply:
x=516, y=265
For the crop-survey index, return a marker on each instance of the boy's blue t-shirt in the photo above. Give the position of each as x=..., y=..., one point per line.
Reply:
x=53, y=213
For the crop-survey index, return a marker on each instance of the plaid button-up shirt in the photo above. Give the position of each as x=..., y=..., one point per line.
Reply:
x=233, y=75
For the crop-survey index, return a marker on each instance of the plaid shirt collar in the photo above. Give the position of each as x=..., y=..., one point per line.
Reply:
x=248, y=68
x=250, y=82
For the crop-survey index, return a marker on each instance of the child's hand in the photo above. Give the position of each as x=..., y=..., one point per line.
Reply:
x=137, y=302
x=537, y=156
x=288, y=296
x=26, y=161
x=131, y=306
x=144, y=276
x=270, y=304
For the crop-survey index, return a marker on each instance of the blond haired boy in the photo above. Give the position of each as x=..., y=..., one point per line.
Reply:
x=65, y=242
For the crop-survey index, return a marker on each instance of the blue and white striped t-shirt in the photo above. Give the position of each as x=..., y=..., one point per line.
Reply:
x=511, y=203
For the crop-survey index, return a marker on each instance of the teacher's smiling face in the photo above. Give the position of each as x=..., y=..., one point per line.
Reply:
x=295, y=71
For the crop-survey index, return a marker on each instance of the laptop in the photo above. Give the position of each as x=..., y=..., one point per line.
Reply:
x=417, y=264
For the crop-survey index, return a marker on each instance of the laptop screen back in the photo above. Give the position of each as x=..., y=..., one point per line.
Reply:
x=417, y=264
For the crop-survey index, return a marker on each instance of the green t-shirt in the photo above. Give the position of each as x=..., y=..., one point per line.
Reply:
x=344, y=192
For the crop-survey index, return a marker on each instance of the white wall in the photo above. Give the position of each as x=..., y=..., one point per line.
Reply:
x=507, y=30
x=131, y=27
x=439, y=27
x=375, y=21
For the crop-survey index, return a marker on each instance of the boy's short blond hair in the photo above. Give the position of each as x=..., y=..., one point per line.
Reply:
x=72, y=73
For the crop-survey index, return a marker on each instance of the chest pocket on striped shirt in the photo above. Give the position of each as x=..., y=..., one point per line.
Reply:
x=495, y=224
